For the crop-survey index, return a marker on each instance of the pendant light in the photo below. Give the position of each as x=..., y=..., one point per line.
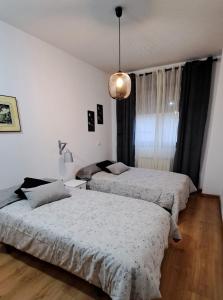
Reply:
x=120, y=82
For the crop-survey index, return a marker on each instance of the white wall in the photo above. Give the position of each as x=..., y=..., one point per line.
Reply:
x=54, y=92
x=212, y=182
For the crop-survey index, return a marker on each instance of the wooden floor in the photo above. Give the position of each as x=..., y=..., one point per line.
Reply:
x=192, y=269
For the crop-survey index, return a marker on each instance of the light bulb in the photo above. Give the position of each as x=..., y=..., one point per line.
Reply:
x=119, y=82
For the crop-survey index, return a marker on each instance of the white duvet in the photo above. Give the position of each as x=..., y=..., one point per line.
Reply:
x=167, y=189
x=114, y=242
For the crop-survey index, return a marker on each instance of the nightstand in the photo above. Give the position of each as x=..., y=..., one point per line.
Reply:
x=75, y=184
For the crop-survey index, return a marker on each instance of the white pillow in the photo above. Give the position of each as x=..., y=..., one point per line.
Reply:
x=8, y=196
x=117, y=168
x=46, y=193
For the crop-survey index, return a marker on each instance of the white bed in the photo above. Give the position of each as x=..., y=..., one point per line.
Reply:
x=116, y=243
x=167, y=189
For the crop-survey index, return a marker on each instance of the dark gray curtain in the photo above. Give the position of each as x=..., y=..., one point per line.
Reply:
x=126, y=114
x=194, y=99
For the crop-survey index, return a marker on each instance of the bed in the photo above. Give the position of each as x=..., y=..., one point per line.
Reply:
x=116, y=243
x=167, y=189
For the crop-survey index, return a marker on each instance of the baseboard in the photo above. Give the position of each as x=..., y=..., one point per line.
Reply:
x=209, y=195
x=221, y=204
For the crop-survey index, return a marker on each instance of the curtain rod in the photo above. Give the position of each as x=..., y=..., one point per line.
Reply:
x=175, y=66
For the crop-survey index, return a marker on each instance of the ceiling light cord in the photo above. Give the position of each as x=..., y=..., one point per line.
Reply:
x=119, y=85
x=119, y=42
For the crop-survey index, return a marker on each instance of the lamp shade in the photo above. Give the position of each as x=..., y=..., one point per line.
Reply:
x=68, y=156
x=119, y=85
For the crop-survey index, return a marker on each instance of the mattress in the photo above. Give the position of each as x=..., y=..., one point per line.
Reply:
x=167, y=189
x=116, y=243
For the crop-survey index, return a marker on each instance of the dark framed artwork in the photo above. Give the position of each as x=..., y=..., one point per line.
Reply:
x=91, y=121
x=100, y=114
x=9, y=116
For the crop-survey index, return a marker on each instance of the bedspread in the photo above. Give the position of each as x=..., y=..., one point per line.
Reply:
x=114, y=242
x=167, y=189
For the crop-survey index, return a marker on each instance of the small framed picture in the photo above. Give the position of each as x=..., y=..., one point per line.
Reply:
x=91, y=121
x=100, y=113
x=9, y=116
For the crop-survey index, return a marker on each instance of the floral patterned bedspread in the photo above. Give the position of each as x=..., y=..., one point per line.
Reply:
x=167, y=189
x=114, y=242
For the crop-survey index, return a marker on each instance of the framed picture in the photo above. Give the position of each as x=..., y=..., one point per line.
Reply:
x=91, y=122
x=9, y=116
x=100, y=113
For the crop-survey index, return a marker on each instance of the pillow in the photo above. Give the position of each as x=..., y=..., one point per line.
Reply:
x=8, y=196
x=29, y=183
x=46, y=193
x=118, y=168
x=49, y=179
x=104, y=164
x=86, y=172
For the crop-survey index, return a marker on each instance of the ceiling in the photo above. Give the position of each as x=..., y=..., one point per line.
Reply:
x=153, y=32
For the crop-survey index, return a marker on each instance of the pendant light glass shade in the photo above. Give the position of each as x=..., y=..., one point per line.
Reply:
x=119, y=85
